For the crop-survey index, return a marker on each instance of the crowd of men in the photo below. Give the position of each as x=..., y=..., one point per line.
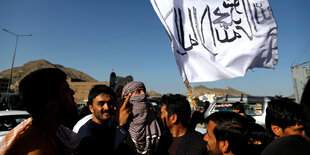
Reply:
x=130, y=125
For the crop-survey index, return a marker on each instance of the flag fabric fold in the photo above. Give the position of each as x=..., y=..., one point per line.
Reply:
x=214, y=40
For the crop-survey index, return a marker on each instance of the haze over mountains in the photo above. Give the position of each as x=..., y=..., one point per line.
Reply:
x=79, y=76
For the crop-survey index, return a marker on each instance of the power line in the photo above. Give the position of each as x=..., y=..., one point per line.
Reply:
x=302, y=52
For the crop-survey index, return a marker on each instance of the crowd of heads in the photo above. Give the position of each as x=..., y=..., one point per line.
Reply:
x=283, y=118
x=46, y=91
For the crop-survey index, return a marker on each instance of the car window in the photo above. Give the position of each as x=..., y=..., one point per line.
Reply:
x=16, y=103
x=7, y=123
x=252, y=109
x=222, y=107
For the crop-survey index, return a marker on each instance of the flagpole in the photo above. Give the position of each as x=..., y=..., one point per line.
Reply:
x=190, y=91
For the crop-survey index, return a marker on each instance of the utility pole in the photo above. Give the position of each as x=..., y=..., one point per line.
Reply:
x=17, y=36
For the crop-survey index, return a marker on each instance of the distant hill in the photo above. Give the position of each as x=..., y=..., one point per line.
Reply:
x=153, y=94
x=20, y=72
x=201, y=90
x=78, y=76
x=291, y=96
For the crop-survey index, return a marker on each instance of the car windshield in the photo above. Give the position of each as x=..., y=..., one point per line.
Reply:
x=252, y=109
x=223, y=107
x=11, y=102
x=7, y=123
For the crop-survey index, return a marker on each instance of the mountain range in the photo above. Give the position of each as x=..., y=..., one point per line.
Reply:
x=79, y=76
x=20, y=72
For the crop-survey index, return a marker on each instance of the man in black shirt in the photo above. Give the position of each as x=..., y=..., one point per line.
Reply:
x=102, y=132
x=179, y=139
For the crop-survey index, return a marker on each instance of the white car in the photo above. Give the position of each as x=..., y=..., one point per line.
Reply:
x=9, y=119
x=254, y=106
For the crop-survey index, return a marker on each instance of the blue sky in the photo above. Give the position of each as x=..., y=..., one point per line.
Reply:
x=97, y=36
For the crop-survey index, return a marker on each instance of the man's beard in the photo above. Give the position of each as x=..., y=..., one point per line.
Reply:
x=99, y=114
x=164, y=123
x=66, y=113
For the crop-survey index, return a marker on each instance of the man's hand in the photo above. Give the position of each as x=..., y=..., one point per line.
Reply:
x=124, y=112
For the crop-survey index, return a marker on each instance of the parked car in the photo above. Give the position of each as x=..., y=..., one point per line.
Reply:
x=254, y=106
x=10, y=101
x=9, y=119
x=155, y=103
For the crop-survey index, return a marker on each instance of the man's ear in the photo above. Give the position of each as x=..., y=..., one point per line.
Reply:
x=173, y=118
x=52, y=106
x=91, y=108
x=277, y=130
x=224, y=145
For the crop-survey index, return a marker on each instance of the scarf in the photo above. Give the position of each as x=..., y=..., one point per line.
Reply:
x=10, y=137
x=68, y=139
x=143, y=126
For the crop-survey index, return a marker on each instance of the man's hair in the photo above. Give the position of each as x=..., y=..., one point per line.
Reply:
x=232, y=127
x=282, y=112
x=305, y=104
x=178, y=104
x=40, y=87
x=239, y=106
x=98, y=89
x=258, y=133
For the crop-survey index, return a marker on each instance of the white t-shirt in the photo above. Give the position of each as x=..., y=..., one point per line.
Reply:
x=81, y=122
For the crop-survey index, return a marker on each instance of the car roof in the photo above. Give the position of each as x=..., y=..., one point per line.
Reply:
x=244, y=98
x=13, y=112
x=8, y=94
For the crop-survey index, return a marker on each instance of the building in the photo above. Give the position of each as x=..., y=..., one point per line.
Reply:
x=82, y=88
x=4, y=82
x=301, y=75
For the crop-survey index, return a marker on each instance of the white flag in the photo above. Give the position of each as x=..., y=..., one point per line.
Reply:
x=219, y=39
